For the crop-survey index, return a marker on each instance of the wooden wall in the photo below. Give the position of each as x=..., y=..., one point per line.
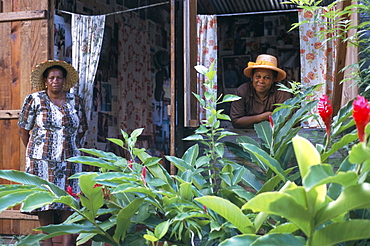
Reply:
x=24, y=42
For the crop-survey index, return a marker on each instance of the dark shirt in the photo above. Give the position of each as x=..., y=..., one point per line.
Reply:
x=250, y=104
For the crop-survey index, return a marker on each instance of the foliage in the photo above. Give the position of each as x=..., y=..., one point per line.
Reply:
x=319, y=211
x=339, y=25
x=299, y=199
x=125, y=195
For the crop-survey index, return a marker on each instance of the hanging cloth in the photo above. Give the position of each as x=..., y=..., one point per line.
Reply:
x=207, y=53
x=87, y=38
x=317, y=59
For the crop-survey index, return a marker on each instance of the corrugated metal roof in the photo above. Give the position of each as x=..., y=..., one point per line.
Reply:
x=244, y=6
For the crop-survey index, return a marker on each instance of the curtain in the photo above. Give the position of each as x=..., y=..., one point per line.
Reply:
x=134, y=78
x=317, y=59
x=207, y=53
x=87, y=38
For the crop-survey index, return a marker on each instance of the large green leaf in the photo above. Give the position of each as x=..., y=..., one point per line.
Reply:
x=284, y=228
x=284, y=144
x=359, y=153
x=134, y=189
x=124, y=219
x=92, y=198
x=345, y=140
x=264, y=132
x=266, y=159
x=342, y=120
x=229, y=211
x=240, y=240
x=101, y=153
x=307, y=155
x=273, y=182
x=342, y=232
x=93, y=161
x=334, y=188
x=230, y=98
x=116, y=177
x=251, y=180
x=62, y=229
x=25, y=178
x=289, y=125
x=285, y=239
x=10, y=200
x=323, y=174
x=283, y=205
x=38, y=200
x=105, y=226
x=31, y=240
x=183, y=165
x=352, y=197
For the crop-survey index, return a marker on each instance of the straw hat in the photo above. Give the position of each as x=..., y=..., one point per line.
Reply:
x=38, y=82
x=265, y=61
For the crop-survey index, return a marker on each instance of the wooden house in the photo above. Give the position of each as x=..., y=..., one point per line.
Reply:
x=27, y=38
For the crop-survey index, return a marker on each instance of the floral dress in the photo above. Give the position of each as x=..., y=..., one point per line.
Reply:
x=53, y=139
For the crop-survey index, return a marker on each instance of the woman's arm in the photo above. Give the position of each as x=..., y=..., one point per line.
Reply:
x=25, y=135
x=249, y=121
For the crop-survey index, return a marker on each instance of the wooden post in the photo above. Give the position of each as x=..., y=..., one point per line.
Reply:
x=340, y=63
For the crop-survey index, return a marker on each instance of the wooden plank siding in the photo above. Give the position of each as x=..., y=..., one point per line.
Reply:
x=26, y=29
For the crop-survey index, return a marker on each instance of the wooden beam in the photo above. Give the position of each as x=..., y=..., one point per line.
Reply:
x=172, y=107
x=9, y=114
x=23, y=15
x=16, y=215
x=340, y=63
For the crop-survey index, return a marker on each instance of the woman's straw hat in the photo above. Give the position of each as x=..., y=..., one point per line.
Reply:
x=38, y=82
x=265, y=61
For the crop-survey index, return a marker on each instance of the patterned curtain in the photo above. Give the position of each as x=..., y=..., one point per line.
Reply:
x=87, y=38
x=317, y=59
x=134, y=78
x=207, y=52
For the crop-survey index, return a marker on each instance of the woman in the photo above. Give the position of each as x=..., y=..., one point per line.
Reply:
x=258, y=97
x=51, y=123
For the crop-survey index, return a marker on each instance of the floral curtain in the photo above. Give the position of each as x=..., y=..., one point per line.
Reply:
x=87, y=38
x=207, y=52
x=134, y=78
x=317, y=58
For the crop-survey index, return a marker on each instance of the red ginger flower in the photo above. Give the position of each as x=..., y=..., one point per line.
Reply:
x=70, y=192
x=130, y=164
x=143, y=175
x=105, y=192
x=325, y=111
x=361, y=115
x=271, y=121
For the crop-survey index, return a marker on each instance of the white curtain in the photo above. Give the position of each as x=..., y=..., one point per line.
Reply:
x=87, y=38
x=317, y=58
x=207, y=52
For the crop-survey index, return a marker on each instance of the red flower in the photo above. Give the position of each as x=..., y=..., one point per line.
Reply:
x=361, y=115
x=271, y=121
x=105, y=192
x=70, y=191
x=143, y=175
x=325, y=111
x=130, y=164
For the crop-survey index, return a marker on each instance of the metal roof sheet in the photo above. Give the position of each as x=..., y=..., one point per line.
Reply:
x=244, y=6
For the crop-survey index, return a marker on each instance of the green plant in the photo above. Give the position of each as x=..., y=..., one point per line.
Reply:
x=316, y=213
x=126, y=195
x=338, y=25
